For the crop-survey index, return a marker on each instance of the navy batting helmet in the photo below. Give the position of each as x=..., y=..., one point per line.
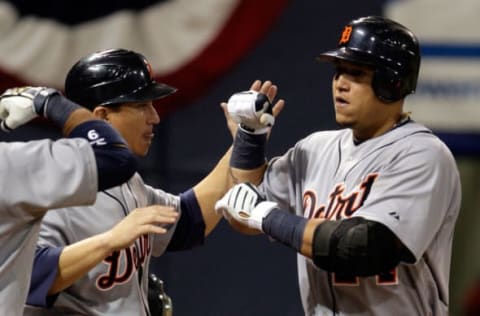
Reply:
x=387, y=46
x=113, y=76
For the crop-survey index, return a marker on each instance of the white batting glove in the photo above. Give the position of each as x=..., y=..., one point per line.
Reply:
x=252, y=111
x=21, y=105
x=246, y=205
x=15, y=110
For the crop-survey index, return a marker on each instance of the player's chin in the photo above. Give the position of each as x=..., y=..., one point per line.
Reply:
x=343, y=120
x=142, y=148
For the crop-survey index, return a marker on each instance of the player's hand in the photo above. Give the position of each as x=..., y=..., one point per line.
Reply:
x=20, y=105
x=244, y=204
x=154, y=219
x=15, y=109
x=251, y=110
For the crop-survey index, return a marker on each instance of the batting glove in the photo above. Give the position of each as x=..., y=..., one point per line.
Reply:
x=252, y=111
x=20, y=105
x=246, y=205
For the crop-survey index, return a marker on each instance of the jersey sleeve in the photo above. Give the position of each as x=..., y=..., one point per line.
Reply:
x=190, y=230
x=37, y=170
x=44, y=272
x=414, y=193
x=53, y=237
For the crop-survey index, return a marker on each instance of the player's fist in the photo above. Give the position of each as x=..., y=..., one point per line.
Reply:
x=20, y=105
x=252, y=110
x=15, y=109
x=244, y=203
x=38, y=96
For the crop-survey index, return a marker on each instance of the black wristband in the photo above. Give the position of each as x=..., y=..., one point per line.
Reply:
x=58, y=109
x=248, y=150
x=285, y=227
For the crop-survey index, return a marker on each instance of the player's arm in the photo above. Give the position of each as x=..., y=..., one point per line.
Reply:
x=115, y=163
x=210, y=189
x=198, y=217
x=354, y=246
x=250, y=116
x=56, y=268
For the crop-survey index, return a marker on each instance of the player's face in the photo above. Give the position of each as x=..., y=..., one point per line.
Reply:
x=356, y=105
x=135, y=122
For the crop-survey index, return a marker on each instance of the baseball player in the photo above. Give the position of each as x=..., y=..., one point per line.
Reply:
x=44, y=174
x=370, y=208
x=75, y=270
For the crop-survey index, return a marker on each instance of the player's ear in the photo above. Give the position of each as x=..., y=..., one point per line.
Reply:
x=101, y=112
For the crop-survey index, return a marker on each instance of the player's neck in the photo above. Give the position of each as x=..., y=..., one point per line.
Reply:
x=362, y=136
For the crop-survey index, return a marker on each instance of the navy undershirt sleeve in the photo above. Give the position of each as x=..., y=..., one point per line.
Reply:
x=190, y=230
x=115, y=162
x=44, y=272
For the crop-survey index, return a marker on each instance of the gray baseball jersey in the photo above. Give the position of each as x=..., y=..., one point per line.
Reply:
x=406, y=179
x=118, y=285
x=36, y=176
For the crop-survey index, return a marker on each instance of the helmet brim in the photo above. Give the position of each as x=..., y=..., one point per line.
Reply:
x=151, y=92
x=348, y=54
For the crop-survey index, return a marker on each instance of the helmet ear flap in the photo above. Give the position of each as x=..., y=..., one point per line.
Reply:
x=388, y=86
